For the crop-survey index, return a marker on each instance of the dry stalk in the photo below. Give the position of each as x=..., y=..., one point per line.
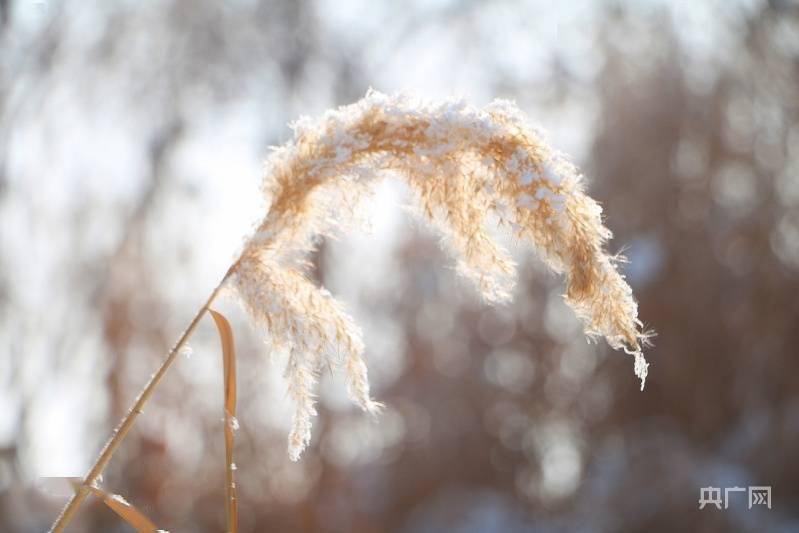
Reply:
x=129, y=419
x=231, y=424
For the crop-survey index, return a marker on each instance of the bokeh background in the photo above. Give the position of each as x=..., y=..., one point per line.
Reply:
x=131, y=139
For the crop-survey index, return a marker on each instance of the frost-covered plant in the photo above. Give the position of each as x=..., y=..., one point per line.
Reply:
x=465, y=166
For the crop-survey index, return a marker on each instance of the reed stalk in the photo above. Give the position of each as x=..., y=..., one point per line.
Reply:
x=121, y=431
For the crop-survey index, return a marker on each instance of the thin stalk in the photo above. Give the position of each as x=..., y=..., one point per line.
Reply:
x=127, y=422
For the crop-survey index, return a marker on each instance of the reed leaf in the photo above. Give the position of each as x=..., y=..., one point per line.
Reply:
x=123, y=508
x=229, y=376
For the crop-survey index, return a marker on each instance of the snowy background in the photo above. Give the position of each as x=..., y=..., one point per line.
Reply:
x=131, y=141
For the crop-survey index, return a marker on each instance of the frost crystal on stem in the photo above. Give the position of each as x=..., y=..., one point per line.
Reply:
x=463, y=165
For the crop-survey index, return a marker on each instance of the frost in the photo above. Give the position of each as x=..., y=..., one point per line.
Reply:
x=342, y=154
x=120, y=499
x=436, y=151
x=187, y=351
x=556, y=202
x=525, y=200
x=551, y=176
x=515, y=161
x=526, y=177
x=641, y=368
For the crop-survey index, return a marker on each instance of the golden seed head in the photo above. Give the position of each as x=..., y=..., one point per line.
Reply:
x=463, y=165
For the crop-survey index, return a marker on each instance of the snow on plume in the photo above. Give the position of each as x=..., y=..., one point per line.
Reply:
x=463, y=164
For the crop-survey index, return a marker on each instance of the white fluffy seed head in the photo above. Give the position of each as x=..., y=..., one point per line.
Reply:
x=463, y=165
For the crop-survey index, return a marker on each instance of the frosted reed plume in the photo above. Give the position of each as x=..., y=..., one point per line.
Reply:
x=465, y=166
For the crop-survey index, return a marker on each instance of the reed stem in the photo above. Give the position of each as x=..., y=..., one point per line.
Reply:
x=127, y=422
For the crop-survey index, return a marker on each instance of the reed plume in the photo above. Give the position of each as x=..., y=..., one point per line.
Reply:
x=466, y=167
